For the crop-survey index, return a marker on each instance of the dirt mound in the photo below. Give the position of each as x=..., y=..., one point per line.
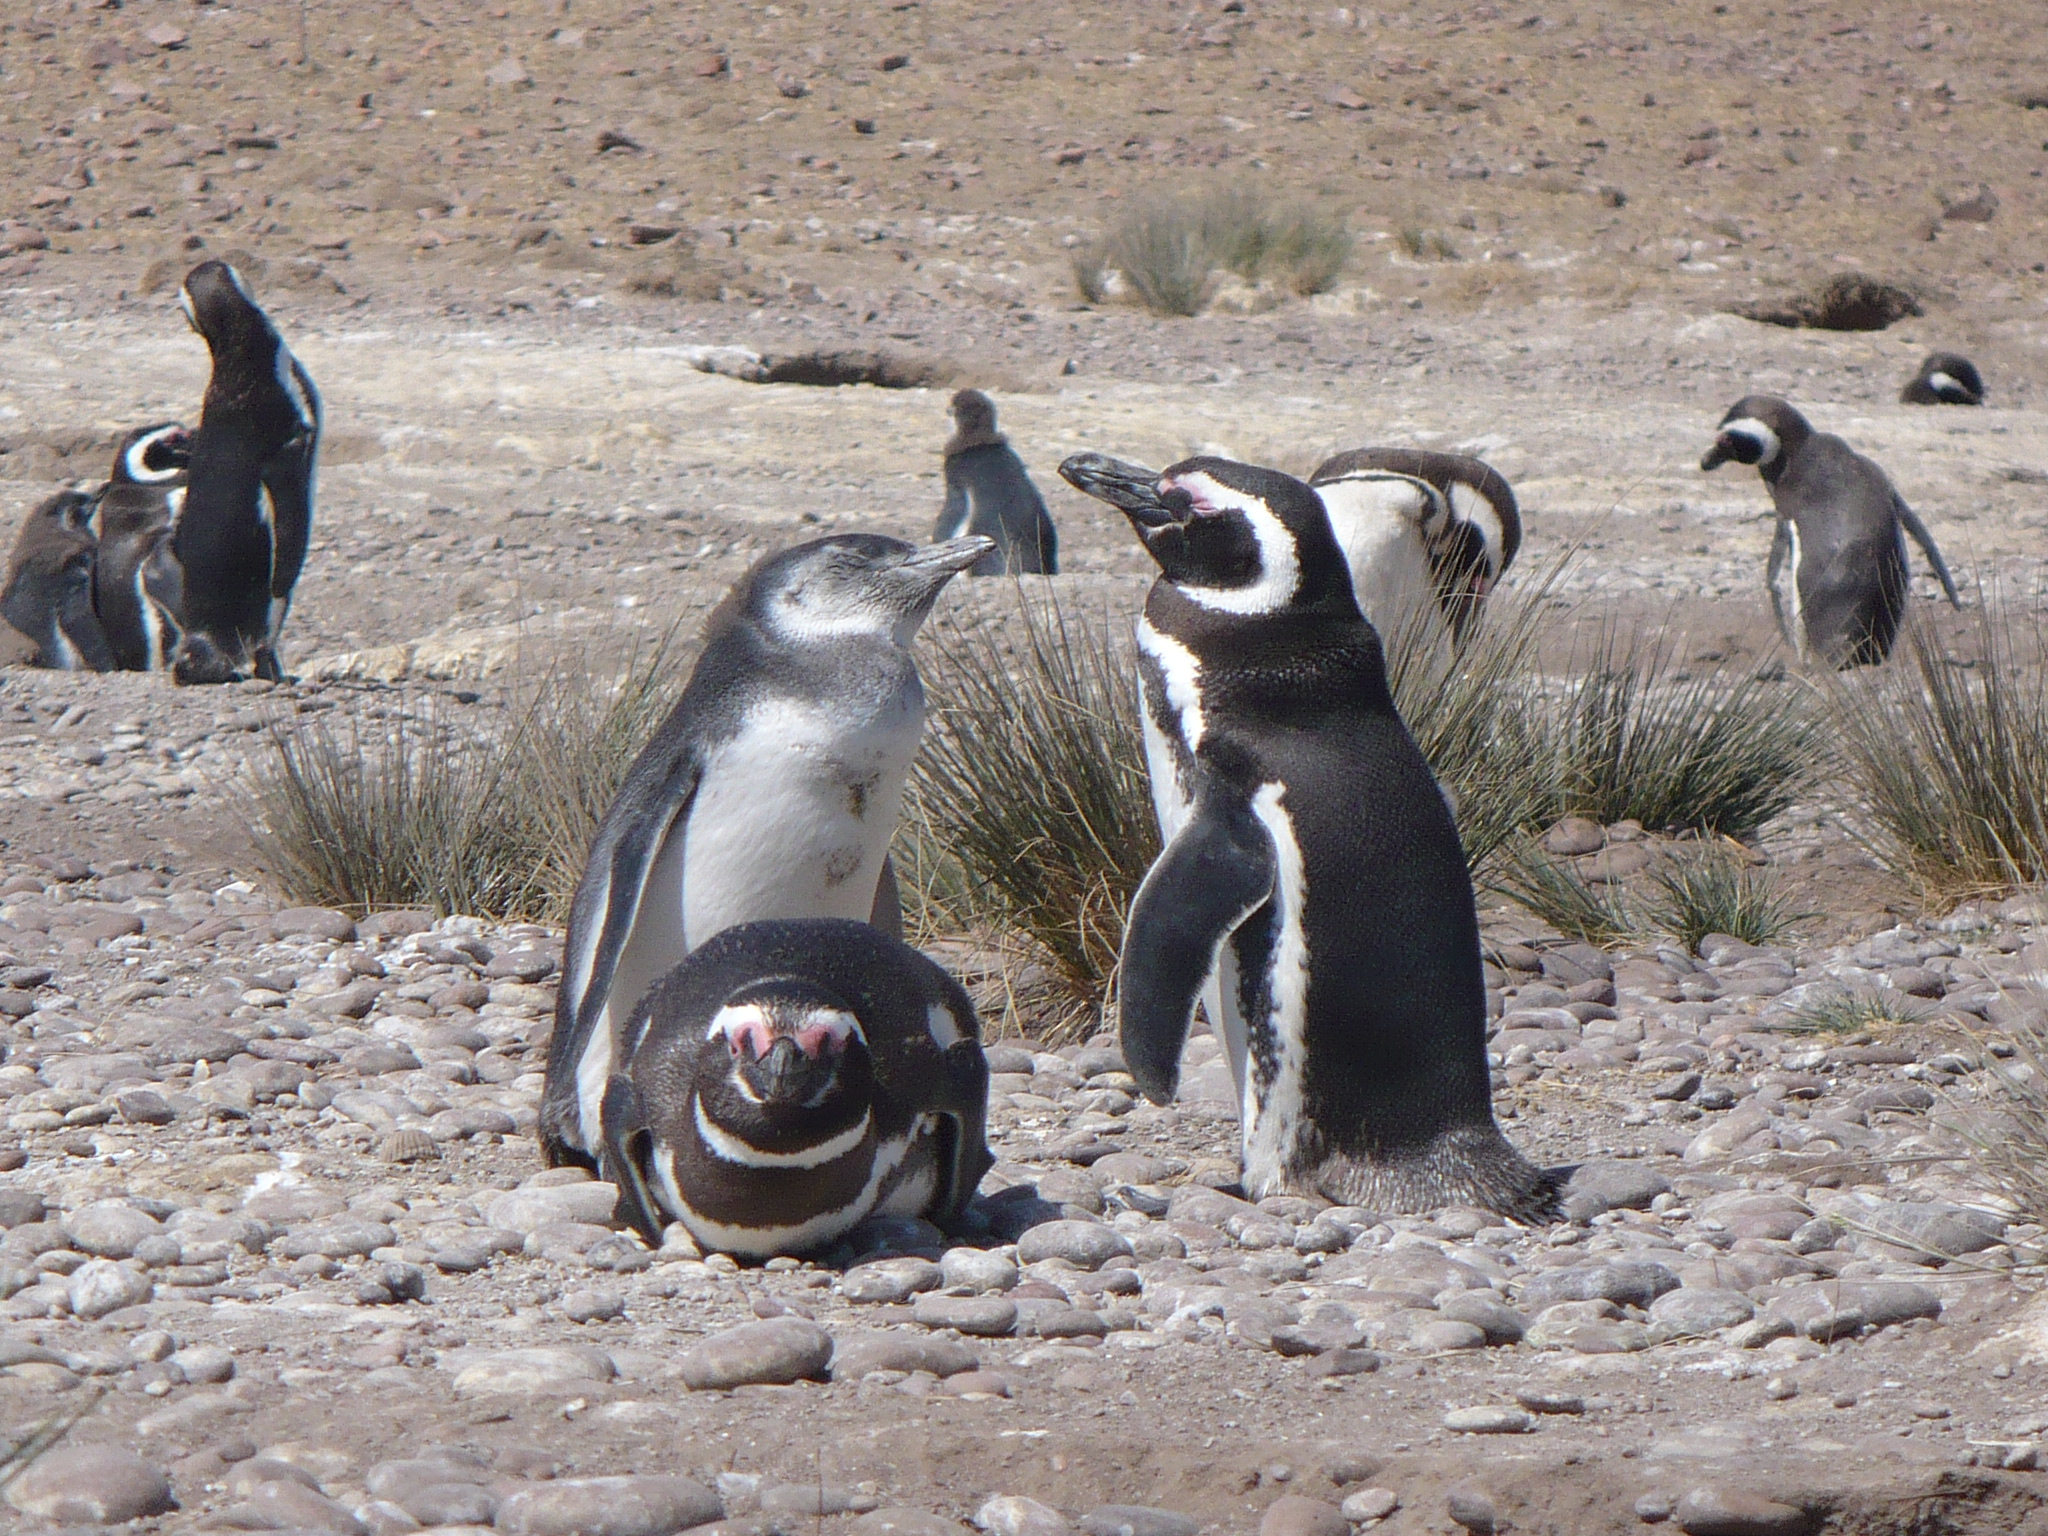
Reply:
x=1848, y=301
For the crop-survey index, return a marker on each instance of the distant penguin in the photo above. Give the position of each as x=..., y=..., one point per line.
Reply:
x=1396, y=511
x=241, y=537
x=791, y=1079
x=1945, y=378
x=989, y=492
x=136, y=584
x=770, y=791
x=48, y=595
x=1312, y=890
x=1838, y=563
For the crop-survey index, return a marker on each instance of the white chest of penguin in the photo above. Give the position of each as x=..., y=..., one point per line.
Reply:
x=793, y=815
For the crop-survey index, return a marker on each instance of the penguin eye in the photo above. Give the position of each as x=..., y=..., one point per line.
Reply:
x=1180, y=501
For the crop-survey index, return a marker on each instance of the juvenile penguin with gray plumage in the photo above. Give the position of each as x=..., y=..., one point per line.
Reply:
x=1312, y=891
x=770, y=791
x=1945, y=378
x=791, y=1079
x=1838, y=561
x=989, y=492
x=1427, y=536
x=137, y=587
x=241, y=537
x=48, y=593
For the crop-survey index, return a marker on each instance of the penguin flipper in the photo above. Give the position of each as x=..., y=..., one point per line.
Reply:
x=1216, y=872
x=1910, y=520
x=628, y=1147
x=80, y=622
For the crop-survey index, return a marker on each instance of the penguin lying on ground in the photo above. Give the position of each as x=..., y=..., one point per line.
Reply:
x=989, y=492
x=1838, y=562
x=770, y=791
x=1427, y=536
x=1312, y=890
x=241, y=536
x=1945, y=378
x=136, y=584
x=48, y=595
x=789, y=1080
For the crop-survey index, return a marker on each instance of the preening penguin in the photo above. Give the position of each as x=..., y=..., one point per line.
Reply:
x=1838, y=562
x=789, y=1080
x=1413, y=522
x=989, y=492
x=241, y=537
x=770, y=791
x=1312, y=891
x=137, y=587
x=48, y=595
x=1945, y=378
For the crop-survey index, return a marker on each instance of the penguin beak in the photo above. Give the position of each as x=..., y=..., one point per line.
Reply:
x=946, y=560
x=1131, y=488
x=1719, y=454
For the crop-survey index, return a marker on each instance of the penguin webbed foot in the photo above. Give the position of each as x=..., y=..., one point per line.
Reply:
x=1472, y=1165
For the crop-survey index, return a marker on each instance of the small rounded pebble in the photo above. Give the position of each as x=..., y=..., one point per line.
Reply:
x=593, y=1306
x=1369, y=1504
x=977, y=1269
x=1473, y=1508
x=898, y=1521
x=1653, y=1509
x=617, y=1506
x=1083, y=1244
x=1488, y=1421
x=90, y=1485
x=1722, y=1511
x=779, y=1350
x=1550, y=1402
x=1008, y=1514
x=890, y=1280
x=981, y=1316
x=1293, y=1515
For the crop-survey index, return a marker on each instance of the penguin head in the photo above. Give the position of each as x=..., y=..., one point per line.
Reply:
x=219, y=306
x=974, y=421
x=785, y=1048
x=157, y=455
x=856, y=584
x=1952, y=379
x=200, y=659
x=1231, y=537
x=1759, y=430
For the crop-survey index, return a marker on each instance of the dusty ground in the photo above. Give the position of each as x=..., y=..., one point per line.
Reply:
x=521, y=450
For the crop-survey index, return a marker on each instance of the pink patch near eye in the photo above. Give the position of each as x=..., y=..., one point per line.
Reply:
x=755, y=1035
x=815, y=1041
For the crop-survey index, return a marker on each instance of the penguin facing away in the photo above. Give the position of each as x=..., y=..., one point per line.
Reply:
x=1312, y=890
x=989, y=492
x=1945, y=378
x=137, y=587
x=1838, y=560
x=770, y=791
x=1461, y=510
x=48, y=594
x=241, y=536
x=790, y=1079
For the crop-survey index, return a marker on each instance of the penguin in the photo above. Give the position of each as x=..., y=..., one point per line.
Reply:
x=989, y=492
x=240, y=539
x=48, y=595
x=1838, y=562
x=1312, y=889
x=770, y=791
x=1396, y=509
x=137, y=587
x=1945, y=378
x=791, y=1079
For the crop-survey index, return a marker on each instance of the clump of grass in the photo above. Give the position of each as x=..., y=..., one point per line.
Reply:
x=1848, y=1013
x=1160, y=249
x=2009, y=1137
x=1169, y=247
x=1028, y=815
x=1711, y=890
x=1949, y=764
x=1421, y=244
x=1550, y=889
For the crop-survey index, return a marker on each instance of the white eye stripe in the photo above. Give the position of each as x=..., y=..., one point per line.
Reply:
x=1470, y=506
x=1748, y=427
x=1279, y=563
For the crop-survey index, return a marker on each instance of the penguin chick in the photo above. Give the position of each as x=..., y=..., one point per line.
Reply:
x=1945, y=378
x=137, y=587
x=48, y=594
x=989, y=492
x=791, y=1079
x=770, y=791
x=1838, y=561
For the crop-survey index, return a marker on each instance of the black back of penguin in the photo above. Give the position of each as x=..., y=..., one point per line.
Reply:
x=242, y=534
x=1945, y=378
x=48, y=592
x=990, y=492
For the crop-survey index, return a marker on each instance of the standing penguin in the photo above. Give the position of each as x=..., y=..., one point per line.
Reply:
x=1312, y=889
x=48, y=595
x=789, y=1080
x=989, y=492
x=137, y=588
x=1838, y=562
x=1403, y=515
x=241, y=536
x=770, y=791
x=1945, y=378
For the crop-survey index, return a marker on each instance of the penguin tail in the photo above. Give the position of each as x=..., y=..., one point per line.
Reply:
x=1468, y=1165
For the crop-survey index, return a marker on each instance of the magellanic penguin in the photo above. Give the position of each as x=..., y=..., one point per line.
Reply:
x=789, y=1080
x=1413, y=522
x=241, y=536
x=48, y=595
x=1838, y=562
x=770, y=791
x=1312, y=890
x=989, y=492
x=1945, y=378
x=137, y=588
